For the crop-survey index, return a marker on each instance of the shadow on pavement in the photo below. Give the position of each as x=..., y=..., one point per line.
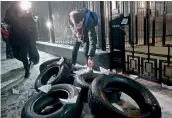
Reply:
x=12, y=74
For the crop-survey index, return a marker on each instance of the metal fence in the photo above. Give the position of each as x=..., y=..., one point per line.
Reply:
x=41, y=11
x=148, y=39
x=150, y=55
x=59, y=11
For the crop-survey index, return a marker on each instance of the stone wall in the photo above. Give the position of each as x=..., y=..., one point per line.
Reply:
x=101, y=58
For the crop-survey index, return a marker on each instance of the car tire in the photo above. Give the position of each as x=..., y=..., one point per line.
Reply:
x=35, y=105
x=63, y=75
x=46, y=63
x=101, y=107
x=84, y=81
x=49, y=62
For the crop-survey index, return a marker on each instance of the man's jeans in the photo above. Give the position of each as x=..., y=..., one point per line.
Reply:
x=20, y=53
x=76, y=48
x=9, y=52
x=33, y=52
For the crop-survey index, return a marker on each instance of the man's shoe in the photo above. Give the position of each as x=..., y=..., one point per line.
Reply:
x=31, y=64
x=27, y=75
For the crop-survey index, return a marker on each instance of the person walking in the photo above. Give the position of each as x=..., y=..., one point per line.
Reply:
x=19, y=39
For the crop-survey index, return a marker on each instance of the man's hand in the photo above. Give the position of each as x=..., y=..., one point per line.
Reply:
x=78, y=35
x=90, y=62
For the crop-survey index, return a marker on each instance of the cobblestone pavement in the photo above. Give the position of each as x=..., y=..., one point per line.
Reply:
x=11, y=104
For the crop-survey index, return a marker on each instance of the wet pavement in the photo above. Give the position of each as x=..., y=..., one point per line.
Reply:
x=13, y=99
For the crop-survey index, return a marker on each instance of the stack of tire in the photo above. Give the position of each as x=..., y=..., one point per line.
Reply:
x=97, y=89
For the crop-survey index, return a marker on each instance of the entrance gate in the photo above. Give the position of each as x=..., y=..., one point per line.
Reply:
x=148, y=40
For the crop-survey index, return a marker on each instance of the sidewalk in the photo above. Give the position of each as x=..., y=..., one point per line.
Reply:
x=164, y=96
x=12, y=75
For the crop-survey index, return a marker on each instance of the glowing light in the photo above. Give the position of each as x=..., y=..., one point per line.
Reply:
x=25, y=5
x=48, y=24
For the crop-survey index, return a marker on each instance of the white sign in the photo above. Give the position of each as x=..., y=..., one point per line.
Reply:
x=124, y=21
x=69, y=101
x=45, y=88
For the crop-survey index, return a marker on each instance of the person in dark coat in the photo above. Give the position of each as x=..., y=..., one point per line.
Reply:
x=87, y=36
x=19, y=38
x=29, y=23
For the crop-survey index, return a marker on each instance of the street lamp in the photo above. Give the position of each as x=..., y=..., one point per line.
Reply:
x=25, y=5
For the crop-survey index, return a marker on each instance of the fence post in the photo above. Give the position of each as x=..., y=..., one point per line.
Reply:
x=131, y=39
x=147, y=27
x=98, y=8
x=164, y=24
x=136, y=22
x=145, y=22
x=103, y=41
x=153, y=25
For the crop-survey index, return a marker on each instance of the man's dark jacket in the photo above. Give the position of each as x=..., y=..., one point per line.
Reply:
x=89, y=32
x=17, y=34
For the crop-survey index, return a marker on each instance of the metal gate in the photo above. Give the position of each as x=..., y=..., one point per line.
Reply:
x=149, y=41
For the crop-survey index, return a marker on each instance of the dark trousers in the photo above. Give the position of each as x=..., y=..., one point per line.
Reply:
x=76, y=48
x=9, y=52
x=33, y=52
x=20, y=53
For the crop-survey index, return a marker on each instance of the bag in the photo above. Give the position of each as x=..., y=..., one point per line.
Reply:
x=4, y=34
x=88, y=14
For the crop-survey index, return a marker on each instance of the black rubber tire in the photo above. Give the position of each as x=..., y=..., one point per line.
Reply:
x=34, y=106
x=81, y=81
x=101, y=107
x=63, y=75
x=46, y=63
x=49, y=62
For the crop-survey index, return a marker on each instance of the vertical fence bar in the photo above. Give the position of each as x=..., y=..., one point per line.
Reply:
x=129, y=23
x=110, y=37
x=131, y=40
x=136, y=22
x=123, y=46
x=99, y=28
x=147, y=28
x=164, y=24
x=153, y=25
x=145, y=23
x=51, y=20
x=131, y=26
x=168, y=58
x=132, y=36
x=123, y=8
x=103, y=41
